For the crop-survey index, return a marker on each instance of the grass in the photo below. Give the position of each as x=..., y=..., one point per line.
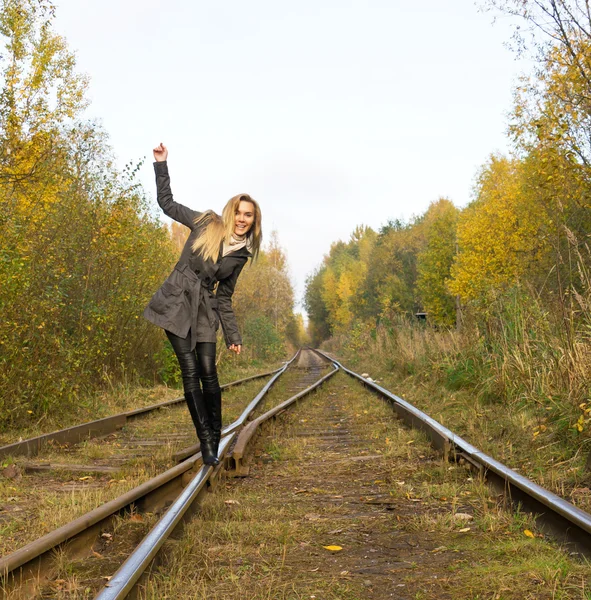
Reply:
x=448, y=377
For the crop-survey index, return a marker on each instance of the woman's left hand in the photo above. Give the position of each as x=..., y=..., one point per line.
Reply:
x=235, y=348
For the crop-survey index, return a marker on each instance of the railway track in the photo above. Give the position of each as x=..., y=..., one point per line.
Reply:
x=31, y=566
x=65, y=480
x=168, y=499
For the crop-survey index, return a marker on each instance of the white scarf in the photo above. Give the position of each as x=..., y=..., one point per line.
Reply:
x=236, y=242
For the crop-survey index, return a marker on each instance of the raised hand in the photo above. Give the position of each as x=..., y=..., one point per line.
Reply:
x=161, y=152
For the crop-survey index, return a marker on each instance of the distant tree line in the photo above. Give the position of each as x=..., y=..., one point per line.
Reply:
x=527, y=228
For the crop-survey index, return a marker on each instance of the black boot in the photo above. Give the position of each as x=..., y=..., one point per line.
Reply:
x=200, y=416
x=213, y=401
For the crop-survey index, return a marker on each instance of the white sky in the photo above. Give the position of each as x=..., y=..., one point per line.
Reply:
x=330, y=114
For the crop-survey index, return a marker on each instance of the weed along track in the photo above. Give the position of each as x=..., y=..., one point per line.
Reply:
x=322, y=495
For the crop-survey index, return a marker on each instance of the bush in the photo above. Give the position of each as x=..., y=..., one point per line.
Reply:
x=261, y=338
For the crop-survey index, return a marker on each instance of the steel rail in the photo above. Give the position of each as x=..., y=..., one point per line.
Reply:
x=246, y=434
x=564, y=519
x=132, y=569
x=153, y=493
x=106, y=425
x=124, y=580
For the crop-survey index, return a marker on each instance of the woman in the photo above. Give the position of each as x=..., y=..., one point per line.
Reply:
x=190, y=308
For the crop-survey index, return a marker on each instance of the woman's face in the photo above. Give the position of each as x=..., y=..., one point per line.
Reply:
x=244, y=217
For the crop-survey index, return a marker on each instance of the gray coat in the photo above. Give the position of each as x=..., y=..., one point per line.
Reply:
x=186, y=300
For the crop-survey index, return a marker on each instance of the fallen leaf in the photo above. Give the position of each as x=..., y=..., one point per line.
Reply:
x=528, y=533
x=333, y=548
x=464, y=530
x=85, y=478
x=231, y=502
x=136, y=518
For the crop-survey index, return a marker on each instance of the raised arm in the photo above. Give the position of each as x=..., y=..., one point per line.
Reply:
x=174, y=210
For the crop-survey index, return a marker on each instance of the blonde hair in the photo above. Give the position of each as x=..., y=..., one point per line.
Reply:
x=218, y=229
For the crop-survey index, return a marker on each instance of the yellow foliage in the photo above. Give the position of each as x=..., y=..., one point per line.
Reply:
x=498, y=234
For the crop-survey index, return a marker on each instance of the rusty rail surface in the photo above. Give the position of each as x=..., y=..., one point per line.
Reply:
x=563, y=519
x=30, y=561
x=75, y=434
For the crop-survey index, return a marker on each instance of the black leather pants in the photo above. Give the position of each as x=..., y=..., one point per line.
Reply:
x=197, y=366
x=199, y=371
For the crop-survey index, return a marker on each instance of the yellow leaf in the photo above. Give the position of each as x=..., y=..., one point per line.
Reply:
x=464, y=530
x=528, y=533
x=333, y=548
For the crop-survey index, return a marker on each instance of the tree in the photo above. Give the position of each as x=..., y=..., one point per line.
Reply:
x=264, y=289
x=80, y=253
x=318, y=317
x=435, y=260
x=498, y=234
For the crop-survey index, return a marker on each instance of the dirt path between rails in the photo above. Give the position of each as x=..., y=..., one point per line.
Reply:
x=343, y=502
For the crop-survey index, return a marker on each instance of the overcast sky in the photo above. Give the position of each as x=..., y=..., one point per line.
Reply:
x=331, y=114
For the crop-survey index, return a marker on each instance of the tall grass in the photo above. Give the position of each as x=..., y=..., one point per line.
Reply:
x=519, y=355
